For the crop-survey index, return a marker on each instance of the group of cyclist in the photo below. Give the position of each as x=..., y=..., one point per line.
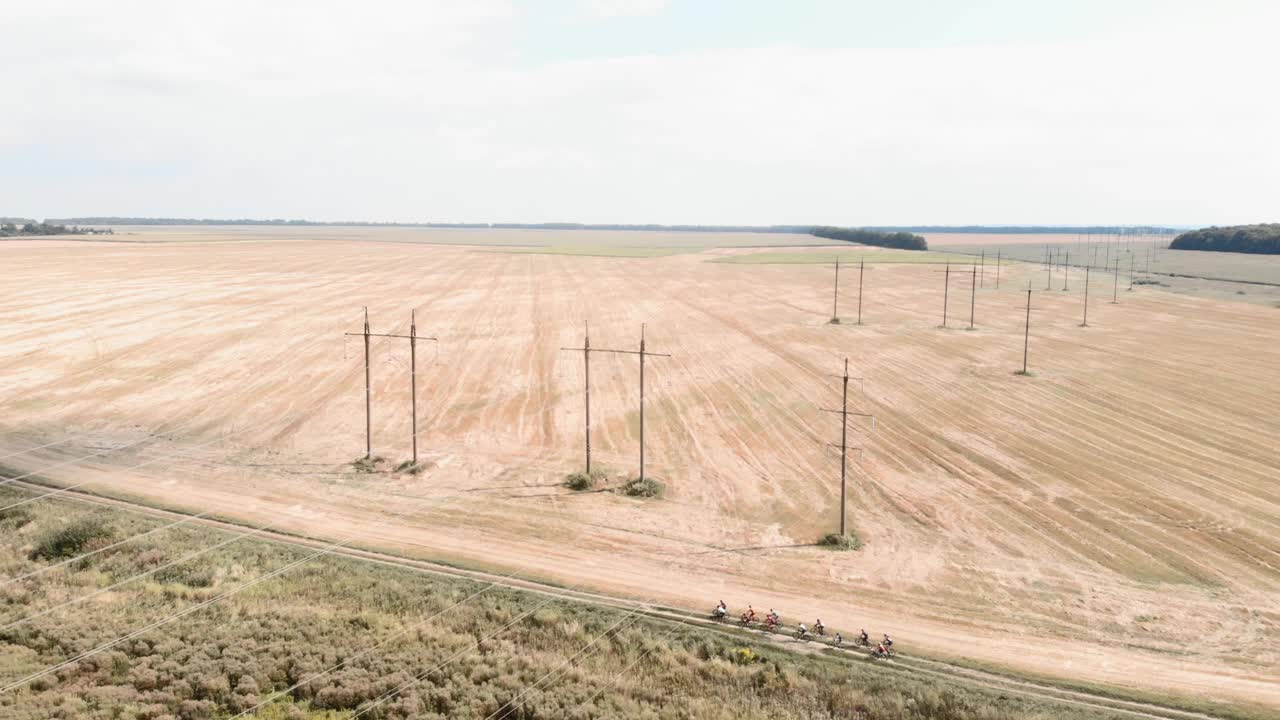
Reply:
x=772, y=622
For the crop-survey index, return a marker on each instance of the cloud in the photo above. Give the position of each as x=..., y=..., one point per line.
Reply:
x=622, y=8
x=310, y=110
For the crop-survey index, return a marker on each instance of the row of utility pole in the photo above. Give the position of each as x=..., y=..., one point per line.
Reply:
x=413, y=337
x=641, y=353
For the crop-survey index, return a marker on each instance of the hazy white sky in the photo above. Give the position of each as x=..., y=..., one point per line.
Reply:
x=672, y=111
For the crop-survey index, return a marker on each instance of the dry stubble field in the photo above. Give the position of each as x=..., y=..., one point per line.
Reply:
x=1113, y=518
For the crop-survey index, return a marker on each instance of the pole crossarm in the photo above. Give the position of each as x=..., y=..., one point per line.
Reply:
x=836, y=445
x=620, y=352
x=390, y=335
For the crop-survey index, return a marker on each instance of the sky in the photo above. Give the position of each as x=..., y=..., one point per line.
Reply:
x=843, y=112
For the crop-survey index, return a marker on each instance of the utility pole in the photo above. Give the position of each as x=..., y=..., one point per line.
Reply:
x=835, y=295
x=946, y=290
x=1048, y=277
x=413, y=380
x=997, y=268
x=862, y=268
x=844, y=414
x=1066, y=271
x=586, y=351
x=973, y=296
x=1115, y=292
x=1130, y=272
x=413, y=337
x=586, y=378
x=1026, y=337
x=368, y=393
x=1085, y=321
x=982, y=261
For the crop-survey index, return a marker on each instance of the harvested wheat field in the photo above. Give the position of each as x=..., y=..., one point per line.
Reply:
x=1113, y=518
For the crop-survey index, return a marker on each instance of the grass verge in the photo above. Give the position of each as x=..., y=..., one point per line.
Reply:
x=325, y=615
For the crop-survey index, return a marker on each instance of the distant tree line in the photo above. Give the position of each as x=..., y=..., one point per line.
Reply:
x=900, y=240
x=1262, y=239
x=1029, y=229
x=800, y=229
x=796, y=229
x=9, y=229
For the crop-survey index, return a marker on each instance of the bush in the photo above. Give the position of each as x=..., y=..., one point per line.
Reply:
x=745, y=656
x=645, y=488
x=16, y=517
x=71, y=540
x=368, y=464
x=583, y=481
x=836, y=541
x=199, y=575
x=410, y=467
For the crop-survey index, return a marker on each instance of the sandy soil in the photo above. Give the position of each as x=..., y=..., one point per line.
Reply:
x=1112, y=518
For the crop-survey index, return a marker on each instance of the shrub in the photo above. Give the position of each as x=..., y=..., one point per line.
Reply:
x=16, y=517
x=70, y=540
x=410, y=467
x=368, y=464
x=643, y=487
x=584, y=481
x=836, y=541
x=745, y=656
x=199, y=575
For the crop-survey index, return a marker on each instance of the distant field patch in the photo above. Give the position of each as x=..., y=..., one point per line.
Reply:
x=635, y=252
x=852, y=258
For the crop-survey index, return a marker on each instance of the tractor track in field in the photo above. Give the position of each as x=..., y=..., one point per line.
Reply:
x=901, y=663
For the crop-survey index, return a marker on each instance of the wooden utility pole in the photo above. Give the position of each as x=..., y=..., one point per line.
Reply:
x=844, y=414
x=586, y=351
x=368, y=393
x=1115, y=292
x=1066, y=270
x=1130, y=272
x=586, y=386
x=1085, y=321
x=862, y=268
x=835, y=295
x=973, y=296
x=946, y=290
x=1026, y=336
x=413, y=337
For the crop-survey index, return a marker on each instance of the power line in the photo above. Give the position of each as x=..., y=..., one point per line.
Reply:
x=346, y=661
x=199, y=606
x=507, y=707
x=395, y=691
x=413, y=337
x=642, y=353
x=191, y=422
x=844, y=413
